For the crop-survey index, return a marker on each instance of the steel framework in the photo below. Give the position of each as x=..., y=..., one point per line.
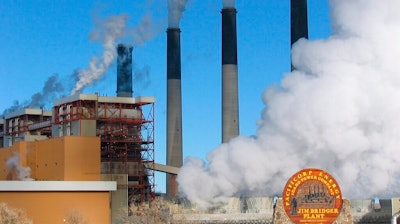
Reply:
x=24, y=122
x=126, y=130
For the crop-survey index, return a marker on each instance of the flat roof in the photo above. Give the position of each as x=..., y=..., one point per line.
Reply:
x=28, y=111
x=58, y=186
x=105, y=99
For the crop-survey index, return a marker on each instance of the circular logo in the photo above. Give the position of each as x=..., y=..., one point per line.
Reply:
x=312, y=196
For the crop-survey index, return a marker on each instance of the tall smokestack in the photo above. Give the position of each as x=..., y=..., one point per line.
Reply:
x=124, y=70
x=230, y=105
x=298, y=21
x=174, y=107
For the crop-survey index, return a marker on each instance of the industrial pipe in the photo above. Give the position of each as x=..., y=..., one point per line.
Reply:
x=124, y=70
x=174, y=107
x=230, y=101
x=298, y=21
x=395, y=217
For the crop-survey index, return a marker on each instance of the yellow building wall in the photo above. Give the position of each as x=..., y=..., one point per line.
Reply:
x=31, y=160
x=62, y=158
x=18, y=152
x=49, y=159
x=82, y=158
x=53, y=207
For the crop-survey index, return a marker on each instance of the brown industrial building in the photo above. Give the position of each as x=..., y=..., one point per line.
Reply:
x=125, y=126
x=85, y=137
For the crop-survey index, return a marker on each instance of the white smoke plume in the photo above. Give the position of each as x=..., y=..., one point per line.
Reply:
x=338, y=111
x=228, y=3
x=22, y=173
x=175, y=11
x=146, y=30
x=108, y=32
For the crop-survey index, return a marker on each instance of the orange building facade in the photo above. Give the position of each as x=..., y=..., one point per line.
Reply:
x=63, y=158
x=55, y=201
x=58, y=176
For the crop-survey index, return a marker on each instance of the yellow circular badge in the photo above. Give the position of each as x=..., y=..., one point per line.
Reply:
x=312, y=196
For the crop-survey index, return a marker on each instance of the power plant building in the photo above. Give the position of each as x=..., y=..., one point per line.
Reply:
x=124, y=125
x=93, y=138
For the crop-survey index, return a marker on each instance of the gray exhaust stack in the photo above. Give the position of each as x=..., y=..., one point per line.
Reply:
x=174, y=107
x=298, y=21
x=124, y=70
x=230, y=105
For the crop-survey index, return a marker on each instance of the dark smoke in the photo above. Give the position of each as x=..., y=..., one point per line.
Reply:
x=15, y=107
x=53, y=89
x=142, y=76
x=107, y=31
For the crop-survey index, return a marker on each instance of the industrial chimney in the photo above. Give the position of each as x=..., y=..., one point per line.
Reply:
x=230, y=105
x=174, y=107
x=298, y=21
x=124, y=70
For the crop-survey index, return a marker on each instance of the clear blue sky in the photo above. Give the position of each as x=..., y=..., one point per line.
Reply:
x=46, y=37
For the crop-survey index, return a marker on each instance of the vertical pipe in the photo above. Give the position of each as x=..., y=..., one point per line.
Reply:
x=230, y=105
x=124, y=70
x=298, y=21
x=394, y=218
x=174, y=107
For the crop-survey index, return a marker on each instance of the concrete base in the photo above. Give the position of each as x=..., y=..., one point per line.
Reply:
x=345, y=216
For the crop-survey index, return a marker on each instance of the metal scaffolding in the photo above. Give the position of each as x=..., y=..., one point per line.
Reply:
x=125, y=126
x=126, y=129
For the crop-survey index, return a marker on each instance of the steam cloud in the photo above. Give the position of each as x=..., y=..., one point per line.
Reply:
x=22, y=173
x=107, y=31
x=339, y=111
x=175, y=11
x=228, y=3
